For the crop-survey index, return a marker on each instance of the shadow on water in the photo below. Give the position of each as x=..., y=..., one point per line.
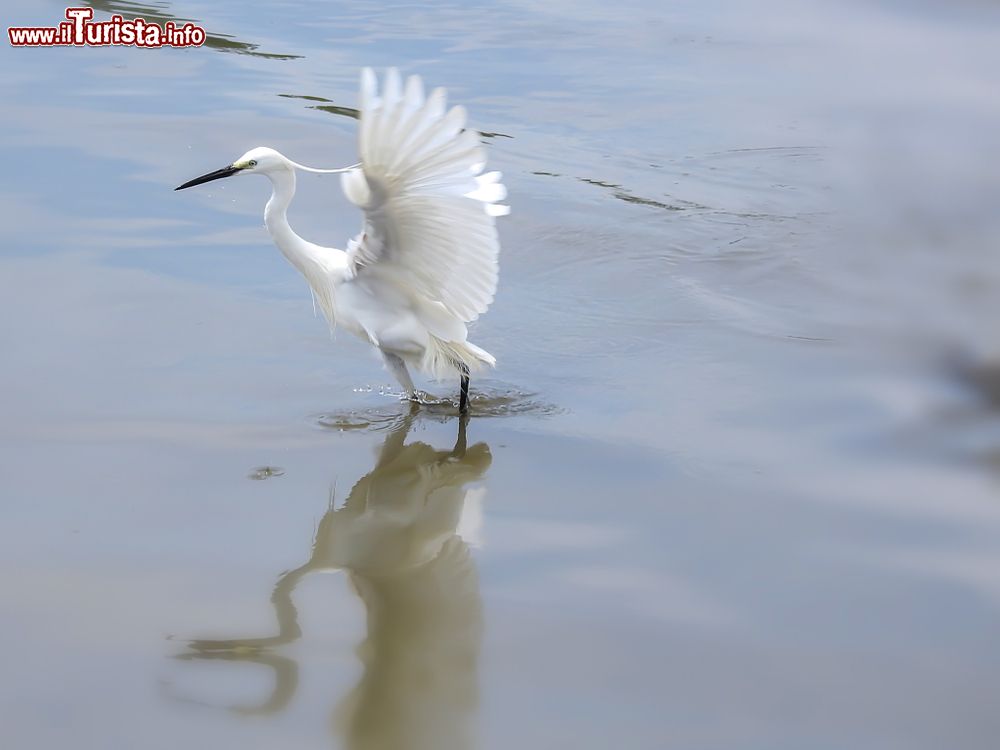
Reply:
x=403, y=537
x=327, y=105
x=158, y=13
x=966, y=424
x=980, y=375
x=624, y=194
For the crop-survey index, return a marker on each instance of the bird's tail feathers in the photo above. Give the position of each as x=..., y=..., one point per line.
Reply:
x=442, y=358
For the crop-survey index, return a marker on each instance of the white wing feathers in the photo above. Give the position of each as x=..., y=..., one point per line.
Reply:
x=429, y=212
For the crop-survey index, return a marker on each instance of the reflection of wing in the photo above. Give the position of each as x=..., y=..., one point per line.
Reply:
x=401, y=513
x=470, y=524
x=429, y=212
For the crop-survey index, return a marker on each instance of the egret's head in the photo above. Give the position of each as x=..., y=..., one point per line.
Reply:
x=260, y=160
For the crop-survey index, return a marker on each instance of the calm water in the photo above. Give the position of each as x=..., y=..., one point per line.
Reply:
x=733, y=485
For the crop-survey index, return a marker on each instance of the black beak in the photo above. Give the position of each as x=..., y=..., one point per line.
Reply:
x=218, y=174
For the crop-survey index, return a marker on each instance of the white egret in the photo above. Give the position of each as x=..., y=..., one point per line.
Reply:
x=424, y=265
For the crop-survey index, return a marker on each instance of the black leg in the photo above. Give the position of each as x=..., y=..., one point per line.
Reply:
x=463, y=402
x=460, y=443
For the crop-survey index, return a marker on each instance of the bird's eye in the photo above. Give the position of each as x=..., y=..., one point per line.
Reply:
x=252, y=162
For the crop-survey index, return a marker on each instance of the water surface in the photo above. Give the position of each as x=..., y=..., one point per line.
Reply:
x=733, y=483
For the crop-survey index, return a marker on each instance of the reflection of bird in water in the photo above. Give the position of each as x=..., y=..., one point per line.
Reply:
x=397, y=535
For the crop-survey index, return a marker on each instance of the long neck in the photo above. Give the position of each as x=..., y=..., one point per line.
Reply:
x=322, y=267
x=291, y=245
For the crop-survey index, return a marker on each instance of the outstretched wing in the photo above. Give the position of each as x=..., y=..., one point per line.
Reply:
x=429, y=210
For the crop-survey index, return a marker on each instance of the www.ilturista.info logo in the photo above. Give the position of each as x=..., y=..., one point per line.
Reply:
x=80, y=30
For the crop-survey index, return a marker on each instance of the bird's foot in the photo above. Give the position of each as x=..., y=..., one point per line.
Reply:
x=422, y=397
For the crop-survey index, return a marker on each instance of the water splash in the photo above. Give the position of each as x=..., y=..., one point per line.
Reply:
x=488, y=401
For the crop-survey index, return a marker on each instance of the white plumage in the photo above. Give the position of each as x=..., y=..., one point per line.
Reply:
x=428, y=210
x=425, y=263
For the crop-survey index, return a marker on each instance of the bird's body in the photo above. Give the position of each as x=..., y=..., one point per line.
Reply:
x=424, y=265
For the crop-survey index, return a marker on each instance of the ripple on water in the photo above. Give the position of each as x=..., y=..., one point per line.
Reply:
x=487, y=401
x=729, y=247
